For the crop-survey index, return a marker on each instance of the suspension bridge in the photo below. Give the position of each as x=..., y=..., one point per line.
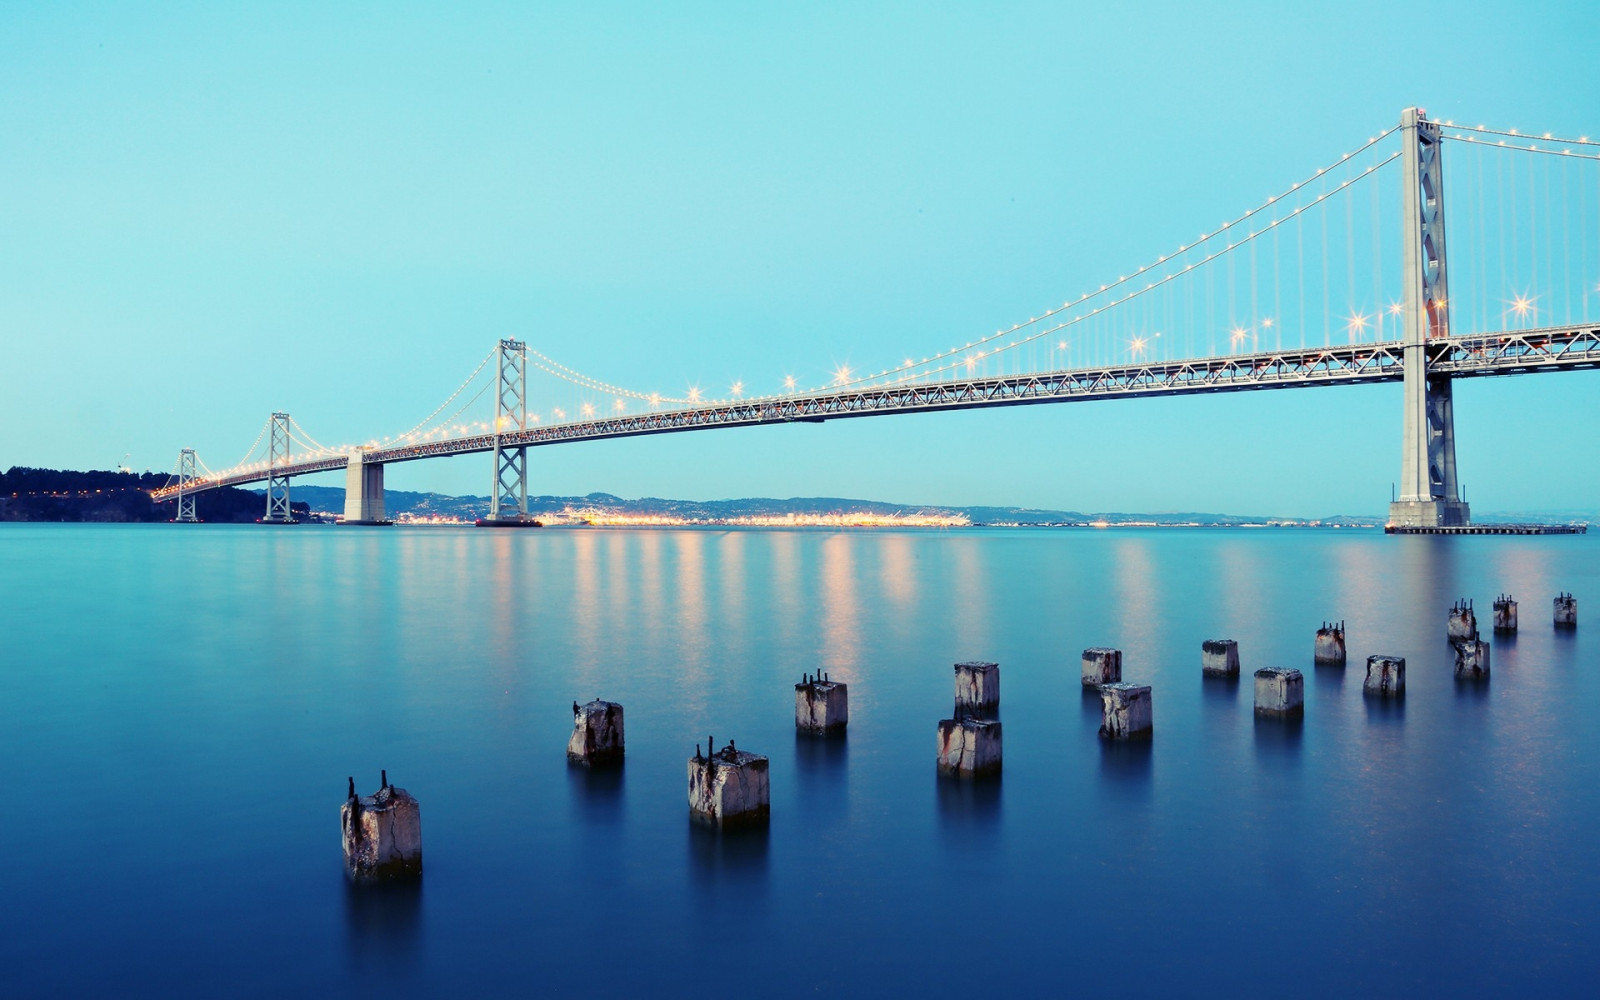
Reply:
x=1341, y=279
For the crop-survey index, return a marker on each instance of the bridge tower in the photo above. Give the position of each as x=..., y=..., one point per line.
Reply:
x=186, y=475
x=278, y=511
x=1429, y=494
x=508, y=501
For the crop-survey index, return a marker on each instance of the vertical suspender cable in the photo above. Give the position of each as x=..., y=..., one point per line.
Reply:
x=1327, y=303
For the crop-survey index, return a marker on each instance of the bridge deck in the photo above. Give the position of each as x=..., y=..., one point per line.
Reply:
x=1511, y=353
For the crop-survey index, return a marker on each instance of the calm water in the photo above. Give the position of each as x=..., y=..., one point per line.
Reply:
x=179, y=708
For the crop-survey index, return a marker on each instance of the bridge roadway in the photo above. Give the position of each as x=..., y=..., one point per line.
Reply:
x=1512, y=353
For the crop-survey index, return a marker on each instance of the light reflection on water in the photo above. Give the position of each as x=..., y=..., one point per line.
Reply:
x=204, y=692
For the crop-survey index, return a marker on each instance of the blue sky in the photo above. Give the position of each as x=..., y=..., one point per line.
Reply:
x=210, y=211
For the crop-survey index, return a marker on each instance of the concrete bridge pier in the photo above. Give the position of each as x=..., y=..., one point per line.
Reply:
x=363, y=492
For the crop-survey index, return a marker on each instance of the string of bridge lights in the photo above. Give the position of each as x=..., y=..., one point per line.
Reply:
x=1516, y=134
x=1533, y=147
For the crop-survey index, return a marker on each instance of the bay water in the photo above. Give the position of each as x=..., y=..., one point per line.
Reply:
x=180, y=706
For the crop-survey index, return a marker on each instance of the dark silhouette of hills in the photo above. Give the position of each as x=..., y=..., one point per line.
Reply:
x=118, y=497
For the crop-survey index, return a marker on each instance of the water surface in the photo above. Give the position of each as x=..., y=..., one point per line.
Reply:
x=180, y=706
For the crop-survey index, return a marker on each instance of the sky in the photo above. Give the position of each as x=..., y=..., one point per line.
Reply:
x=212, y=211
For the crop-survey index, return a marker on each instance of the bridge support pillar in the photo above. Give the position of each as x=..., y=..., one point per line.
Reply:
x=186, y=475
x=278, y=510
x=1429, y=493
x=508, y=503
x=363, y=492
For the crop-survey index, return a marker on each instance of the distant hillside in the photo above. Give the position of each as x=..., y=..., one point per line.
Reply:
x=63, y=495
x=419, y=505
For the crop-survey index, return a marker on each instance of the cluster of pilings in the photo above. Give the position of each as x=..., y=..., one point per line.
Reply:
x=728, y=787
x=969, y=743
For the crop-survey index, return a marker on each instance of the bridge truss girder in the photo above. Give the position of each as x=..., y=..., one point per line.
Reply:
x=1567, y=348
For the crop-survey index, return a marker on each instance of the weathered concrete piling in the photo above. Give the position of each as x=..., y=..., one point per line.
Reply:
x=1125, y=712
x=1472, y=659
x=977, y=689
x=969, y=744
x=821, y=706
x=1218, y=658
x=1463, y=624
x=969, y=747
x=596, y=733
x=728, y=788
x=1101, y=666
x=1505, y=614
x=1330, y=644
x=1566, y=611
x=382, y=833
x=1386, y=676
x=1280, y=692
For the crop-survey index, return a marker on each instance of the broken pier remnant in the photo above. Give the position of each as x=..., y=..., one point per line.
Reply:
x=1101, y=665
x=382, y=833
x=969, y=747
x=728, y=789
x=977, y=689
x=1125, y=711
x=1280, y=692
x=1472, y=659
x=1462, y=624
x=1219, y=658
x=969, y=744
x=1330, y=645
x=1386, y=676
x=821, y=706
x=1505, y=614
x=596, y=733
x=1566, y=611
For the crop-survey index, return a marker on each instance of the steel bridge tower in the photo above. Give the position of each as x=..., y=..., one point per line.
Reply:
x=1429, y=493
x=278, y=511
x=186, y=475
x=508, y=501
